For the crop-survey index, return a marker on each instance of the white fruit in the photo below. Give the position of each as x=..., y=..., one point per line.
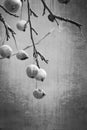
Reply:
x=38, y=93
x=41, y=75
x=21, y=25
x=12, y=5
x=22, y=55
x=5, y=51
x=32, y=71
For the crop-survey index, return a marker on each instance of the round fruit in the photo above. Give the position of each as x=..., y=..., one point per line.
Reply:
x=5, y=51
x=41, y=75
x=64, y=1
x=21, y=25
x=32, y=71
x=22, y=55
x=38, y=93
x=12, y=5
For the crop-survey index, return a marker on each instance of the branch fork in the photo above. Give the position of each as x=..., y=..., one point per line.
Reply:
x=53, y=17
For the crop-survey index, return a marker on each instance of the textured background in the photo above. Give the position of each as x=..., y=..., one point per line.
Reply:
x=65, y=105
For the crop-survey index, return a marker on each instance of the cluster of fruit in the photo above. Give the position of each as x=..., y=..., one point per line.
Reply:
x=6, y=52
x=39, y=74
x=32, y=71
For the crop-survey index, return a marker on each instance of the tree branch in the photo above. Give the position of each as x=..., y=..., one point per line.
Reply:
x=47, y=34
x=34, y=14
x=35, y=52
x=31, y=35
x=54, y=17
x=8, y=30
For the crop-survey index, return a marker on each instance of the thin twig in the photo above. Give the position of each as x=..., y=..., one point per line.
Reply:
x=29, y=21
x=34, y=14
x=34, y=31
x=31, y=35
x=15, y=41
x=5, y=25
x=8, y=30
x=69, y=21
x=42, y=57
x=35, y=52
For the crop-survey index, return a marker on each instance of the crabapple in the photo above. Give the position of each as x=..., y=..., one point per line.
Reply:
x=38, y=93
x=41, y=75
x=12, y=5
x=32, y=71
x=5, y=51
x=22, y=55
x=21, y=25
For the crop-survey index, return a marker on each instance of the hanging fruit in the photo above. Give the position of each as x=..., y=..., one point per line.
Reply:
x=32, y=71
x=21, y=25
x=41, y=75
x=38, y=93
x=12, y=5
x=51, y=17
x=5, y=51
x=64, y=1
x=22, y=55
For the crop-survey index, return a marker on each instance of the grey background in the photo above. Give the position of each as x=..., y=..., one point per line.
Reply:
x=65, y=105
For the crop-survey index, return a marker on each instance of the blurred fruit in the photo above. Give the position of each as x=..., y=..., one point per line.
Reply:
x=21, y=25
x=32, y=71
x=41, y=75
x=5, y=51
x=12, y=5
x=22, y=55
x=64, y=1
x=38, y=93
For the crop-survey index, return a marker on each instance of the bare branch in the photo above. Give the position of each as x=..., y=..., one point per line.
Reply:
x=44, y=11
x=54, y=17
x=47, y=34
x=5, y=25
x=34, y=31
x=38, y=41
x=8, y=30
x=33, y=13
x=46, y=7
x=15, y=41
x=69, y=21
x=42, y=57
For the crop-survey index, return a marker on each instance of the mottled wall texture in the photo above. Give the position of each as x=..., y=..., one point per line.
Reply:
x=65, y=105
